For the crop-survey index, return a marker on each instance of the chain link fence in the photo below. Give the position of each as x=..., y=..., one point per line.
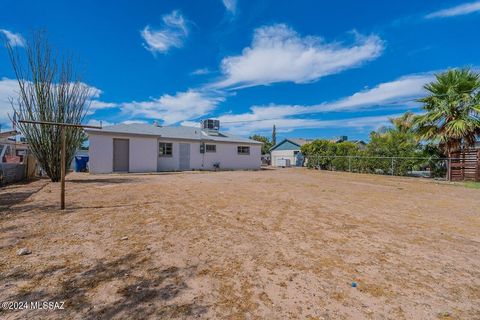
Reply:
x=397, y=166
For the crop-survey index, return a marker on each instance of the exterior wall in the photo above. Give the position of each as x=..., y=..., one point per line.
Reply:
x=283, y=154
x=100, y=153
x=226, y=154
x=144, y=155
x=170, y=163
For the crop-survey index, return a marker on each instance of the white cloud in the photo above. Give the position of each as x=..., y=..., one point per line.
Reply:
x=96, y=105
x=172, y=34
x=201, y=72
x=288, y=124
x=195, y=124
x=99, y=123
x=134, y=121
x=9, y=90
x=230, y=5
x=402, y=88
x=262, y=117
x=405, y=88
x=460, y=10
x=104, y=123
x=172, y=109
x=279, y=54
x=14, y=39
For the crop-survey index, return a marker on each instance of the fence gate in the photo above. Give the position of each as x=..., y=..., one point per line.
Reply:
x=465, y=165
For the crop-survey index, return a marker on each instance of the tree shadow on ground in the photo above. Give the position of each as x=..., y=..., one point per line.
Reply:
x=147, y=296
x=19, y=192
x=8, y=200
x=27, y=208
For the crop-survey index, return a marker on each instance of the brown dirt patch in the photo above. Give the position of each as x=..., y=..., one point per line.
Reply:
x=276, y=244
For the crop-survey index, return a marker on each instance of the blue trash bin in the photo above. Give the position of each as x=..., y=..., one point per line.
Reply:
x=81, y=163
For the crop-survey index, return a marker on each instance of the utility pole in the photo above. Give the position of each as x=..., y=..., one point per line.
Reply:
x=63, y=165
x=274, y=135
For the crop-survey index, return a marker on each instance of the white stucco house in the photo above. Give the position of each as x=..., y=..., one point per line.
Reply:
x=142, y=147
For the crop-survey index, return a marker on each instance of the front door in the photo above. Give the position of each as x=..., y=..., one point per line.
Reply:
x=184, y=156
x=120, y=155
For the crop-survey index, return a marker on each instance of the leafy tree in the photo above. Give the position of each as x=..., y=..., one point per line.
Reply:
x=436, y=162
x=319, y=153
x=452, y=110
x=267, y=144
x=392, y=143
x=344, y=150
x=49, y=90
x=404, y=123
x=396, y=140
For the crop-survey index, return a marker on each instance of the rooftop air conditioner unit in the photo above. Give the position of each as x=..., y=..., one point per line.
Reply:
x=211, y=125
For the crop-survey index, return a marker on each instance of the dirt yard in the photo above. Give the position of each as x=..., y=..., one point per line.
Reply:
x=272, y=244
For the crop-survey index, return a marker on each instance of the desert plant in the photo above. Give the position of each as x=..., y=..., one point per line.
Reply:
x=49, y=91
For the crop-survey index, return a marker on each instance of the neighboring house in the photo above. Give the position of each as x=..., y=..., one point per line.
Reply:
x=147, y=148
x=16, y=161
x=287, y=149
x=360, y=143
x=11, y=150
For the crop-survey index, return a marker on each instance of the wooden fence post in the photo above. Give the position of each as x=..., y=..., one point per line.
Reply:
x=62, y=168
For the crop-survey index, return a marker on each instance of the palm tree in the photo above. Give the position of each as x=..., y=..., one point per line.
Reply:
x=452, y=110
x=404, y=123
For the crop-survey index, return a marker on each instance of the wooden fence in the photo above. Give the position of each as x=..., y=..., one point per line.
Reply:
x=465, y=165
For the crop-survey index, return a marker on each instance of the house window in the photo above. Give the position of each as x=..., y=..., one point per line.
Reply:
x=211, y=148
x=165, y=149
x=243, y=150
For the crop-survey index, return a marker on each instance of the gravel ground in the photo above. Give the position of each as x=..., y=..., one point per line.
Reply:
x=270, y=244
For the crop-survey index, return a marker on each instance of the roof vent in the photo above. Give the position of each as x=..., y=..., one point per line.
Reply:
x=211, y=125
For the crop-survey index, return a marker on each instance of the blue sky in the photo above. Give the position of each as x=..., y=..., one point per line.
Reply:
x=314, y=69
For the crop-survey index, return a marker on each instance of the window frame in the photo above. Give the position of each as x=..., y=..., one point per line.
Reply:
x=242, y=153
x=211, y=145
x=164, y=149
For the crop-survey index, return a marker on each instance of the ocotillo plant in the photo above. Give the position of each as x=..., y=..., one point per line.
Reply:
x=49, y=90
